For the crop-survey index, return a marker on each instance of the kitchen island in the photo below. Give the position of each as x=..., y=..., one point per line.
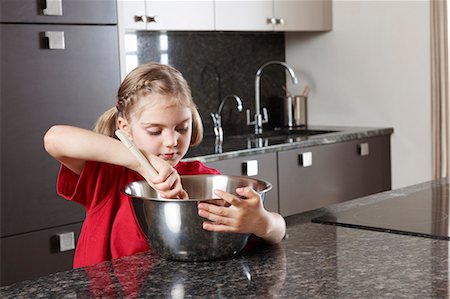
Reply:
x=314, y=261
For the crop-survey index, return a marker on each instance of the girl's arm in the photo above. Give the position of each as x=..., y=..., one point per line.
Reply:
x=74, y=146
x=243, y=216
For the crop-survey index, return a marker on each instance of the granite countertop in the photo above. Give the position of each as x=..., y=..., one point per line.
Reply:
x=314, y=261
x=276, y=140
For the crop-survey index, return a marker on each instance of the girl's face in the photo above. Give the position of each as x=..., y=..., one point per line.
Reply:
x=162, y=130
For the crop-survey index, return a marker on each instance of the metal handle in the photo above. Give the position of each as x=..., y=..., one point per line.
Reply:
x=52, y=8
x=279, y=21
x=66, y=241
x=55, y=39
x=271, y=21
x=363, y=149
x=265, y=118
x=249, y=122
x=138, y=19
x=305, y=159
x=250, y=168
x=152, y=19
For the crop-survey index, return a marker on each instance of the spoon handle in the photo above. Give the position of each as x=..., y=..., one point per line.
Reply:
x=136, y=152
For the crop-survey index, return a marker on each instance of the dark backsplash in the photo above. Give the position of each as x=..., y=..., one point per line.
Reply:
x=217, y=64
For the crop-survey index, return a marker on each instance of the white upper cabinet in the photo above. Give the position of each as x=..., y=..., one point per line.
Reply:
x=132, y=14
x=226, y=15
x=243, y=15
x=302, y=15
x=166, y=15
x=269, y=15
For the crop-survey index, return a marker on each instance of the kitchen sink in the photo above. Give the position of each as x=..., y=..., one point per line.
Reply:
x=297, y=131
x=248, y=141
x=282, y=135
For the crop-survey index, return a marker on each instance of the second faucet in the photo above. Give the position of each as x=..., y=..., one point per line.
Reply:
x=217, y=117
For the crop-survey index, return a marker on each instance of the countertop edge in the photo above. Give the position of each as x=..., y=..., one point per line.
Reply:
x=342, y=134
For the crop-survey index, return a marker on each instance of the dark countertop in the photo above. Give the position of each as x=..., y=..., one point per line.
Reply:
x=272, y=141
x=314, y=261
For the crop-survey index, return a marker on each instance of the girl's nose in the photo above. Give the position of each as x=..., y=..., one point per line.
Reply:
x=170, y=139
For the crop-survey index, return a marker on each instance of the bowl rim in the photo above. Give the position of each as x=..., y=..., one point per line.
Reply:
x=267, y=183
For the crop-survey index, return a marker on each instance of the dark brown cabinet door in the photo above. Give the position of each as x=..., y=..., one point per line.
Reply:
x=310, y=178
x=59, y=11
x=39, y=88
x=35, y=254
x=266, y=168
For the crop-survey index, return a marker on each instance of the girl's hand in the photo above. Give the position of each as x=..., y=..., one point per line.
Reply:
x=168, y=182
x=244, y=215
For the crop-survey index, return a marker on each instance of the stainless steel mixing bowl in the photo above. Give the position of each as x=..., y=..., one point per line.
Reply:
x=173, y=227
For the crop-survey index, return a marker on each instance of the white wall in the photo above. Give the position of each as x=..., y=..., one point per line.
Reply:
x=373, y=69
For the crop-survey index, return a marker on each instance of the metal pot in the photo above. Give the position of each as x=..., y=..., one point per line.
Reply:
x=173, y=227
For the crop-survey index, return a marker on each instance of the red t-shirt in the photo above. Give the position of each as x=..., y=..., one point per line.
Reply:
x=110, y=229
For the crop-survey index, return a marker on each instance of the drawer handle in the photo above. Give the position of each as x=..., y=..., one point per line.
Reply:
x=305, y=159
x=152, y=19
x=279, y=21
x=271, y=21
x=66, y=241
x=138, y=19
x=363, y=149
x=52, y=8
x=250, y=168
x=55, y=40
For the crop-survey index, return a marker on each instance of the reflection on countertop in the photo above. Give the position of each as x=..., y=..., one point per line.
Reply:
x=211, y=149
x=314, y=261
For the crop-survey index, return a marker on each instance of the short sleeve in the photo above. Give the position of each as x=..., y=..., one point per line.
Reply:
x=93, y=185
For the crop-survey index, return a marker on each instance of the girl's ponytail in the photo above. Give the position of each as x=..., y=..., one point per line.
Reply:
x=106, y=124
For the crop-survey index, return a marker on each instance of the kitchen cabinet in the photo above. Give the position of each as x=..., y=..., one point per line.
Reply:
x=166, y=15
x=58, y=11
x=273, y=15
x=226, y=15
x=318, y=176
x=42, y=87
x=36, y=254
x=261, y=166
x=55, y=70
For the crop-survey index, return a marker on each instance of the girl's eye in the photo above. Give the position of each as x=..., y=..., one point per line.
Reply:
x=154, y=133
x=182, y=130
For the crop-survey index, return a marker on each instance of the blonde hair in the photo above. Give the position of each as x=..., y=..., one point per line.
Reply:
x=150, y=78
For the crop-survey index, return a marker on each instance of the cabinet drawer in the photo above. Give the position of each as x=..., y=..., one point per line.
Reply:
x=58, y=11
x=266, y=170
x=35, y=254
x=310, y=178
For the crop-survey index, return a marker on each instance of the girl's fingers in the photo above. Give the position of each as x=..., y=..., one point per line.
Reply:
x=212, y=209
x=247, y=192
x=167, y=182
x=218, y=227
x=164, y=174
x=170, y=187
x=176, y=191
x=183, y=194
x=228, y=197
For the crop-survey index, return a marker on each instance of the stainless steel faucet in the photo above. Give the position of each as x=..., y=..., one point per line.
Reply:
x=217, y=117
x=261, y=119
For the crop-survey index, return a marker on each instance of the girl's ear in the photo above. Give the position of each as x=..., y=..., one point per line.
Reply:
x=124, y=126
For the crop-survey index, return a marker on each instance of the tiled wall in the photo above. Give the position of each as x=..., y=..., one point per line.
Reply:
x=217, y=64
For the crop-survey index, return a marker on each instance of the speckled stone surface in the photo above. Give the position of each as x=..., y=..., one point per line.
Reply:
x=249, y=144
x=314, y=261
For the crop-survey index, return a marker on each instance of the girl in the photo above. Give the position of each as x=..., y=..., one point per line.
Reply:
x=155, y=109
